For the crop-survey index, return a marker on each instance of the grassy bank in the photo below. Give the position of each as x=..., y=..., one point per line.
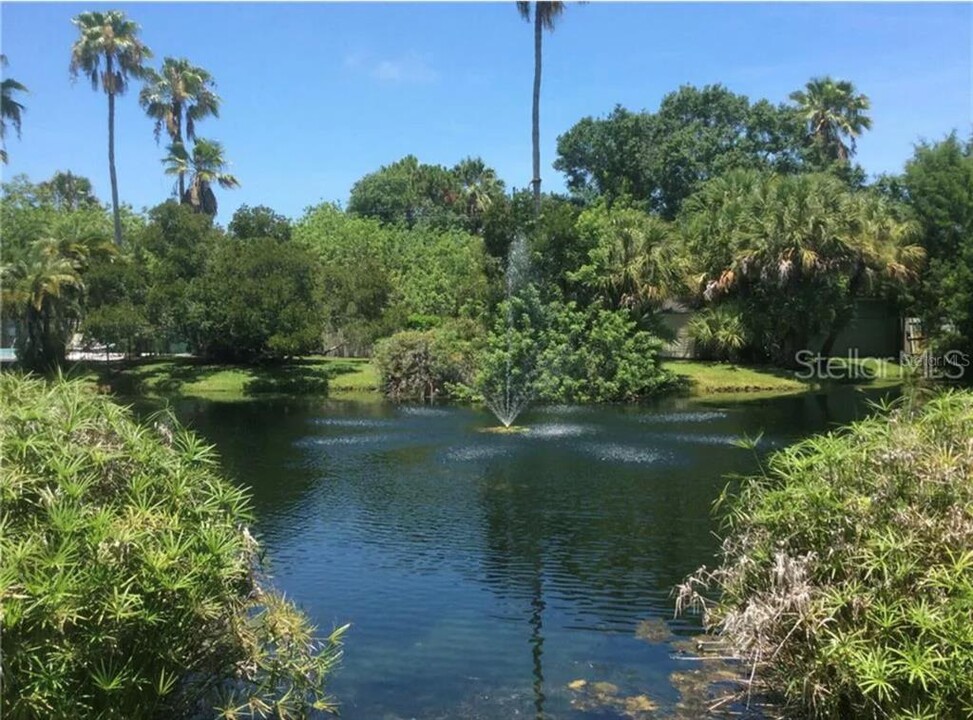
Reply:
x=191, y=378
x=358, y=378
x=711, y=379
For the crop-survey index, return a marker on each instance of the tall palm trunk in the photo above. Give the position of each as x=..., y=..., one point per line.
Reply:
x=536, y=118
x=116, y=216
x=178, y=138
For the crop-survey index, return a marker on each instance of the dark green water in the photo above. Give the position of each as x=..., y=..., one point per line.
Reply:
x=482, y=573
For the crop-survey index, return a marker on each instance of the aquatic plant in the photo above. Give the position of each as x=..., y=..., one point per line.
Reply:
x=129, y=581
x=846, y=581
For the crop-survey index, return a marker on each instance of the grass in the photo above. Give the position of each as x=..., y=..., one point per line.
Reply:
x=708, y=379
x=357, y=378
x=192, y=378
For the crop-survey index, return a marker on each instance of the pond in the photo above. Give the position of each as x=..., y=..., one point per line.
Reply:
x=483, y=573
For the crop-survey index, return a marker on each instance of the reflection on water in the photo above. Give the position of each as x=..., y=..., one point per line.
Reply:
x=482, y=573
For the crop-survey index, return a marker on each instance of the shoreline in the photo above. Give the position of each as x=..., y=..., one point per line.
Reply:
x=356, y=379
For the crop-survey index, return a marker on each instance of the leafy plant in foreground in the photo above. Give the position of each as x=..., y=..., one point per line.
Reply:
x=128, y=579
x=846, y=579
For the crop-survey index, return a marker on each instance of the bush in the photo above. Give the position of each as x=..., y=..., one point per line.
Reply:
x=128, y=578
x=562, y=353
x=256, y=300
x=720, y=332
x=847, y=570
x=423, y=365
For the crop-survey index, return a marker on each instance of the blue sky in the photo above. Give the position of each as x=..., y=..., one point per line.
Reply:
x=316, y=95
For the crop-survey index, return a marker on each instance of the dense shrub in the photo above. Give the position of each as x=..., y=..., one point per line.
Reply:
x=847, y=569
x=259, y=299
x=719, y=332
x=564, y=353
x=377, y=277
x=424, y=365
x=128, y=578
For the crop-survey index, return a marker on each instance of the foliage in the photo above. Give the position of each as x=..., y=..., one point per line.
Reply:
x=259, y=222
x=11, y=110
x=425, y=365
x=67, y=192
x=412, y=194
x=634, y=262
x=178, y=96
x=795, y=251
x=109, y=38
x=846, y=576
x=130, y=582
x=206, y=166
x=661, y=158
x=407, y=192
x=561, y=352
x=720, y=332
x=938, y=183
x=377, y=277
x=43, y=294
x=256, y=300
x=172, y=253
x=52, y=209
x=834, y=115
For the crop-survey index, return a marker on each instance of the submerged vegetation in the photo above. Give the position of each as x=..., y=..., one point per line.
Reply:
x=846, y=580
x=131, y=585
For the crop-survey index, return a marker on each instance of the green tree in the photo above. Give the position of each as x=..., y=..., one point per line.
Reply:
x=116, y=306
x=111, y=38
x=634, y=262
x=10, y=109
x=796, y=251
x=544, y=16
x=258, y=300
x=834, y=115
x=381, y=278
x=938, y=185
x=67, y=191
x=206, y=166
x=176, y=98
x=424, y=365
x=258, y=222
x=172, y=252
x=661, y=158
x=410, y=193
x=43, y=293
x=558, y=351
x=479, y=189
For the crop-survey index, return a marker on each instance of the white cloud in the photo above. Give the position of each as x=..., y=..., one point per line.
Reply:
x=410, y=68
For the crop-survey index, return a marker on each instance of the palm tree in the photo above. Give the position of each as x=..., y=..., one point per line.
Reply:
x=43, y=292
x=545, y=15
x=111, y=37
x=479, y=186
x=178, y=97
x=69, y=191
x=877, y=244
x=834, y=113
x=634, y=263
x=10, y=109
x=205, y=166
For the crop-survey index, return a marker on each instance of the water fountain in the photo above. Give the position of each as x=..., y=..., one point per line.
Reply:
x=509, y=393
